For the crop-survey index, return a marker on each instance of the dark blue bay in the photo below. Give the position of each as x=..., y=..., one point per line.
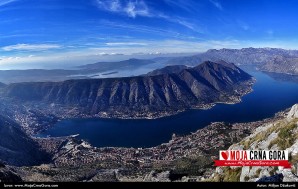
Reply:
x=269, y=96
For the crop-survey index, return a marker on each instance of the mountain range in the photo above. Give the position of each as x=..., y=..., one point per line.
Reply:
x=142, y=96
x=265, y=59
x=272, y=60
x=159, y=93
x=125, y=64
x=81, y=72
x=281, y=64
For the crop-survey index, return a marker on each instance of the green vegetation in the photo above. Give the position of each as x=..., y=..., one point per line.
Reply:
x=286, y=137
x=262, y=135
x=233, y=175
x=246, y=178
x=293, y=159
x=191, y=166
x=273, y=171
x=188, y=166
x=229, y=175
x=258, y=173
x=245, y=144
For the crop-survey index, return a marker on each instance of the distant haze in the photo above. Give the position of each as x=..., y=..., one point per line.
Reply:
x=73, y=62
x=67, y=33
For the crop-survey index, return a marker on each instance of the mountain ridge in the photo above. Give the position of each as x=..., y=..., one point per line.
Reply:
x=142, y=96
x=119, y=64
x=273, y=60
x=167, y=70
x=265, y=59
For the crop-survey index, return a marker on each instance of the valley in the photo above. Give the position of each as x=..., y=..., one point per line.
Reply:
x=30, y=108
x=95, y=91
x=188, y=157
x=135, y=97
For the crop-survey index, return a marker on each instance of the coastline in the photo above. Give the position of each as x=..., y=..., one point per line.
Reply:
x=67, y=113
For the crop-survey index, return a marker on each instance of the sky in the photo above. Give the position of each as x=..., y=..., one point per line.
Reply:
x=41, y=33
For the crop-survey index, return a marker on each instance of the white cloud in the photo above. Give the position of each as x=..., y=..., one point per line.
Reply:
x=143, y=29
x=243, y=25
x=183, y=22
x=130, y=8
x=126, y=44
x=112, y=5
x=108, y=54
x=5, y=2
x=270, y=32
x=188, y=5
x=186, y=24
x=31, y=47
x=111, y=53
x=216, y=4
x=139, y=8
x=151, y=30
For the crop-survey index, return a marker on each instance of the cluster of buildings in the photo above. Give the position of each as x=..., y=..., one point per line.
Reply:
x=206, y=141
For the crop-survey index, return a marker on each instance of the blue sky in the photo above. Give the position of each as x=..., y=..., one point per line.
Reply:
x=84, y=31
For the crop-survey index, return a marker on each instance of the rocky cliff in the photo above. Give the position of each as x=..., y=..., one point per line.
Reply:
x=8, y=174
x=281, y=64
x=278, y=135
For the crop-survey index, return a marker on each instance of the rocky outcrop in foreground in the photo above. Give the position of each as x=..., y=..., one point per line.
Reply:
x=277, y=135
x=8, y=174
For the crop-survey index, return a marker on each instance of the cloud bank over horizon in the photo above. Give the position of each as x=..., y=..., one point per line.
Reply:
x=59, y=32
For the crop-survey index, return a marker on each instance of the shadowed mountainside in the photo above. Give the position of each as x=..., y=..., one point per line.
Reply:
x=167, y=70
x=16, y=148
x=2, y=85
x=133, y=97
x=125, y=64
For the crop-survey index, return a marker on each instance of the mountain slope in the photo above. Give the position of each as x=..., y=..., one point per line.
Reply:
x=125, y=64
x=8, y=174
x=266, y=59
x=167, y=70
x=187, y=60
x=144, y=96
x=278, y=135
x=16, y=148
x=82, y=72
x=247, y=56
x=2, y=85
x=281, y=64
